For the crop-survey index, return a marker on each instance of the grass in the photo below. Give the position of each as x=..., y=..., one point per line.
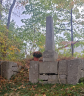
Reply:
x=20, y=86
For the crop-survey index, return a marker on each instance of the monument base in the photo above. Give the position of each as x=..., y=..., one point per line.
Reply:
x=50, y=55
x=64, y=71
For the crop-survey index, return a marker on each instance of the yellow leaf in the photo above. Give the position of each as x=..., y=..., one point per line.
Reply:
x=44, y=95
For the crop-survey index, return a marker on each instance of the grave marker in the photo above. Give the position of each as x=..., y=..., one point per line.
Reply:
x=49, y=54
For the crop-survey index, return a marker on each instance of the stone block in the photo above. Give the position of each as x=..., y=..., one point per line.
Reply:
x=82, y=73
x=53, y=79
x=43, y=79
x=50, y=55
x=7, y=73
x=74, y=70
x=48, y=67
x=7, y=69
x=15, y=72
x=16, y=68
x=33, y=71
x=82, y=64
x=8, y=65
x=63, y=79
x=62, y=67
x=43, y=82
x=1, y=62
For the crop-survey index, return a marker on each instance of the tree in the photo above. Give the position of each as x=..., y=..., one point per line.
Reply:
x=10, y=42
x=40, y=9
x=10, y=11
x=33, y=39
x=8, y=6
x=0, y=9
x=8, y=46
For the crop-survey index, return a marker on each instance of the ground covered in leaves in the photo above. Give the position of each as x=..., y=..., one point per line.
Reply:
x=19, y=85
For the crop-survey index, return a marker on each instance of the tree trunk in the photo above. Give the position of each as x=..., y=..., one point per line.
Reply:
x=9, y=15
x=0, y=9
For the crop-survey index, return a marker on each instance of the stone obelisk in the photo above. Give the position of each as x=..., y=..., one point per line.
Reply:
x=49, y=54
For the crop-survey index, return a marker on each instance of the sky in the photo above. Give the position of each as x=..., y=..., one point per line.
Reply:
x=17, y=19
x=17, y=15
x=17, y=12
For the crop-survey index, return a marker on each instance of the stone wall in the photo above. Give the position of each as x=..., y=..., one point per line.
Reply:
x=65, y=71
x=7, y=69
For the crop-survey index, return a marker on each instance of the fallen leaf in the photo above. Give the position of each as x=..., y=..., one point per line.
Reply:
x=6, y=94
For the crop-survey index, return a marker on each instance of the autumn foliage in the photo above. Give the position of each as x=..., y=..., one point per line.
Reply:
x=8, y=47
